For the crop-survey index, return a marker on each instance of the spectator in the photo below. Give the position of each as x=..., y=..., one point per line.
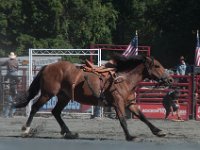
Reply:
x=12, y=79
x=12, y=68
x=8, y=110
x=183, y=68
x=171, y=104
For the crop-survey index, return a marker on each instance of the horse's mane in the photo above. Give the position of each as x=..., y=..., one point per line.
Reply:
x=123, y=63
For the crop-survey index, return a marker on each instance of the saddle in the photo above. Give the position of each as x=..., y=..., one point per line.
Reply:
x=103, y=73
x=102, y=70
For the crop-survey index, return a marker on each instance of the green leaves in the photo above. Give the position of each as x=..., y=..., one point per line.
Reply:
x=90, y=22
x=168, y=26
x=55, y=24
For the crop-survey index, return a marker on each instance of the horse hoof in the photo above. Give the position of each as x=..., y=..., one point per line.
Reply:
x=23, y=128
x=24, y=135
x=29, y=132
x=131, y=138
x=70, y=135
x=161, y=134
x=64, y=131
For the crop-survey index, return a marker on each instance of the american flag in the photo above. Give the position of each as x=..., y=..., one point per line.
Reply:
x=197, y=52
x=132, y=48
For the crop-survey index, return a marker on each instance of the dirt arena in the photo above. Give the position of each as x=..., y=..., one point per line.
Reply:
x=105, y=129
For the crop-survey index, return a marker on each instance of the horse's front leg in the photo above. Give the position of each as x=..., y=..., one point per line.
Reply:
x=123, y=123
x=120, y=111
x=136, y=111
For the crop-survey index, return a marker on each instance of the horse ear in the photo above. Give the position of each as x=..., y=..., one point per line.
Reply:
x=144, y=58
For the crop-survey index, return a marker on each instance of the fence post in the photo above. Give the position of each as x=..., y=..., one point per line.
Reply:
x=196, y=70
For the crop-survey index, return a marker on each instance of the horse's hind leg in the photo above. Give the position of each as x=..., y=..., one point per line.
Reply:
x=34, y=108
x=61, y=103
x=136, y=111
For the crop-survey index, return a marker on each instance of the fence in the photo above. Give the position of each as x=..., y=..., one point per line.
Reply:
x=6, y=85
x=197, y=97
x=72, y=106
x=146, y=50
x=149, y=97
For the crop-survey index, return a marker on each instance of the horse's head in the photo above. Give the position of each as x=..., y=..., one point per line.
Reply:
x=153, y=69
x=157, y=72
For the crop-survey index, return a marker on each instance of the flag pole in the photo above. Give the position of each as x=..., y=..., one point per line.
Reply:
x=196, y=63
x=198, y=38
x=136, y=34
x=195, y=71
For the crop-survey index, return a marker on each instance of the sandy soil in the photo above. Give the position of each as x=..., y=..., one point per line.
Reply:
x=105, y=129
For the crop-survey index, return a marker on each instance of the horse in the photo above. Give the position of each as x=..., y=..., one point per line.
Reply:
x=69, y=82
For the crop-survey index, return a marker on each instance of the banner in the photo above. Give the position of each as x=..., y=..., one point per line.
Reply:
x=198, y=112
x=72, y=106
x=157, y=111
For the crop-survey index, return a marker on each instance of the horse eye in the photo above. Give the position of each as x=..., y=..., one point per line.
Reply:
x=156, y=66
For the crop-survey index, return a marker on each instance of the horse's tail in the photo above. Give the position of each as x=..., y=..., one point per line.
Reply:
x=25, y=98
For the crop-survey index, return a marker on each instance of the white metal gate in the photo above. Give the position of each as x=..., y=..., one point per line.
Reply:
x=59, y=52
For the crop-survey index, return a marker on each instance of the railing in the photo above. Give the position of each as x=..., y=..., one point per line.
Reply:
x=146, y=50
x=5, y=87
x=150, y=97
x=197, y=97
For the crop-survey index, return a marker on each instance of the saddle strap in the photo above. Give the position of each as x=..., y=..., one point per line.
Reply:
x=90, y=87
x=99, y=95
x=75, y=82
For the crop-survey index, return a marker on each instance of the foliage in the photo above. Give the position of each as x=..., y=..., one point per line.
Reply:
x=168, y=26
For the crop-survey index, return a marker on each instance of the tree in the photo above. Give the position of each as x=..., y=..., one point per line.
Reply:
x=10, y=22
x=90, y=22
x=175, y=23
x=55, y=24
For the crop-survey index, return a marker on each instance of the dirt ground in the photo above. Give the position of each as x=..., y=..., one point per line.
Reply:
x=105, y=129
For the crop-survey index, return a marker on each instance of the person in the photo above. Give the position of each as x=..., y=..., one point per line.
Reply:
x=183, y=68
x=8, y=109
x=12, y=68
x=171, y=104
x=11, y=79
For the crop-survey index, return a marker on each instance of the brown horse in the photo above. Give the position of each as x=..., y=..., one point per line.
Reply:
x=66, y=81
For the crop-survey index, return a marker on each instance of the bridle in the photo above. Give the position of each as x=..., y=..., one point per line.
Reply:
x=148, y=71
